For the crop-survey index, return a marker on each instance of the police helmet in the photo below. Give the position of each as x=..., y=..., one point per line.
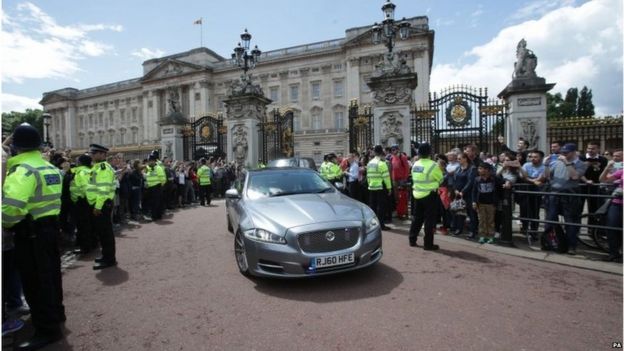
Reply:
x=26, y=137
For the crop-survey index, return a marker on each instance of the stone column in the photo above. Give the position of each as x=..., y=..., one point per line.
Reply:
x=352, y=88
x=392, y=101
x=525, y=97
x=245, y=109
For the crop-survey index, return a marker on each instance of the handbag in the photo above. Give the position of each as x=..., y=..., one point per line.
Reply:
x=457, y=205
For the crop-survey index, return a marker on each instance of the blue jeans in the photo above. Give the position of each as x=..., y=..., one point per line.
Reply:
x=571, y=207
x=614, y=219
x=11, y=284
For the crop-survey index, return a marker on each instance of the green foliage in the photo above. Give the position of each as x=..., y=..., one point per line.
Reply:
x=573, y=105
x=10, y=120
x=585, y=106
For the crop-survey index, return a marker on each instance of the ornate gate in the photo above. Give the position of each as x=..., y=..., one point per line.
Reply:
x=276, y=135
x=204, y=137
x=460, y=116
x=360, y=127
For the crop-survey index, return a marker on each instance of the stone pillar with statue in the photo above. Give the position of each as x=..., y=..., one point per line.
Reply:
x=393, y=89
x=525, y=97
x=245, y=110
x=171, y=127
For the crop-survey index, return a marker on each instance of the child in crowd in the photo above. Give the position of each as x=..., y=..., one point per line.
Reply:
x=485, y=199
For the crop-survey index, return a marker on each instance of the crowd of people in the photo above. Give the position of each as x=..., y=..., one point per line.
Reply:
x=48, y=195
x=470, y=189
x=47, y=192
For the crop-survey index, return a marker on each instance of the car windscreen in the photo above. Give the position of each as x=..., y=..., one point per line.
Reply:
x=269, y=184
x=285, y=162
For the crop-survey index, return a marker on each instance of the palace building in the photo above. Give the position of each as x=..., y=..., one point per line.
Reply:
x=316, y=80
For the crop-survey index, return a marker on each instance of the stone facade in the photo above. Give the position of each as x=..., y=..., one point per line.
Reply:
x=316, y=80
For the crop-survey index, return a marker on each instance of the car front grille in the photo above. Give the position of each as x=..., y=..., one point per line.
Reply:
x=343, y=238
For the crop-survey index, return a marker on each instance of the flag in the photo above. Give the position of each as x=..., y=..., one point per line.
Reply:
x=199, y=21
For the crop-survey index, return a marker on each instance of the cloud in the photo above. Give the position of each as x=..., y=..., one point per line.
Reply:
x=12, y=102
x=539, y=8
x=576, y=47
x=146, y=54
x=35, y=46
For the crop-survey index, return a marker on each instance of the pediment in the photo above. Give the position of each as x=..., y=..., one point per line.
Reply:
x=52, y=98
x=361, y=39
x=172, y=68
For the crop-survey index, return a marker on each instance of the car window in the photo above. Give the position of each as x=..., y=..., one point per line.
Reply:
x=268, y=184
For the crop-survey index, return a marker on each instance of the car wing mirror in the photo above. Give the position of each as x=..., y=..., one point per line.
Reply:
x=232, y=194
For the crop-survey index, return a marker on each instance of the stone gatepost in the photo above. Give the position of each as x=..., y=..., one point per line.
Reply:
x=392, y=89
x=526, y=100
x=171, y=129
x=245, y=110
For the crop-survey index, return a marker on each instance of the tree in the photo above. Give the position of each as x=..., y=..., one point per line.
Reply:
x=573, y=105
x=568, y=107
x=585, y=106
x=10, y=120
x=553, y=105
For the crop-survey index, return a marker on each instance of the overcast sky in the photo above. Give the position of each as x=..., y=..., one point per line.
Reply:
x=48, y=45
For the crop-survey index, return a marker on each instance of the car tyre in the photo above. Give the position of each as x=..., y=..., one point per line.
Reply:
x=240, y=254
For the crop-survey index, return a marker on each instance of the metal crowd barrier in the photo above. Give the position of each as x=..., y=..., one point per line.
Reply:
x=506, y=238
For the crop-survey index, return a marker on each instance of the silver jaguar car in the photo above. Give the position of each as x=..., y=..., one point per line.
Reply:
x=289, y=222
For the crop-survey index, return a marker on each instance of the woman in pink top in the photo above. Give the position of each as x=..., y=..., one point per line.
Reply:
x=614, y=215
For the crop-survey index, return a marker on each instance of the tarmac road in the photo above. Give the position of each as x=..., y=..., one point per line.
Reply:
x=177, y=287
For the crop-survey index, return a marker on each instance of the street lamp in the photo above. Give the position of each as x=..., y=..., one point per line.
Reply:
x=244, y=58
x=46, y=125
x=389, y=28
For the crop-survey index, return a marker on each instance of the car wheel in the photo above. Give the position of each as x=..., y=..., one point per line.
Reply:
x=229, y=224
x=240, y=253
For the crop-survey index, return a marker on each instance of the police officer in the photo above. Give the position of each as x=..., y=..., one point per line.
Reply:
x=31, y=203
x=204, y=173
x=100, y=194
x=332, y=170
x=426, y=178
x=324, y=168
x=155, y=179
x=81, y=176
x=379, y=184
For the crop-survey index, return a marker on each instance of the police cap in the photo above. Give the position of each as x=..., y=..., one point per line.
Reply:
x=331, y=155
x=155, y=154
x=85, y=160
x=93, y=148
x=424, y=150
x=26, y=137
x=152, y=157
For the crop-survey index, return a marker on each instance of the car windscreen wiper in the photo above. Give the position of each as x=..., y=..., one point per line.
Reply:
x=286, y=193
x=324, y=190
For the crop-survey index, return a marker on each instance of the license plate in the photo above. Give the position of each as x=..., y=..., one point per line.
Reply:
x=330, y=261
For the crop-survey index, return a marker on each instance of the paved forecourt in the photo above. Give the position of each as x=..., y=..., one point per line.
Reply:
x=177, y=287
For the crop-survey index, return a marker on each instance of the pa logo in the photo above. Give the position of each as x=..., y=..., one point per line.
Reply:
x=616, y=345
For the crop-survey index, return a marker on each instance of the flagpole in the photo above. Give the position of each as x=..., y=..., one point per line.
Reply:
x=201, y=33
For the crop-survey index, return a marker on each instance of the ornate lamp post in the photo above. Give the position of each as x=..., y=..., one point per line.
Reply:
x=244, y=58
x=46, y=125
x=387, y=31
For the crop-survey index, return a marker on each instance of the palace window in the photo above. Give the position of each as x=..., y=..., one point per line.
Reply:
x=122, y=116
x=297, y=123
x=274, y=93
x=294, y=93
x=316, y=90
x=339, y=120
x=316, y=120
x=338, y=88
x=134, y=114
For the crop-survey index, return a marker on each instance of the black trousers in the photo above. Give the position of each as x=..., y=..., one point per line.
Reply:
x=425, y=211
x=103, y=229
x=156, y=204
x=39, y=264
x=205, y=194
x=85, y=238
x=377, y=202
x=353, y=189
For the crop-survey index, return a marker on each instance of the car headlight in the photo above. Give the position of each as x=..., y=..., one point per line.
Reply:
x=372, y=224
x=264, y=236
